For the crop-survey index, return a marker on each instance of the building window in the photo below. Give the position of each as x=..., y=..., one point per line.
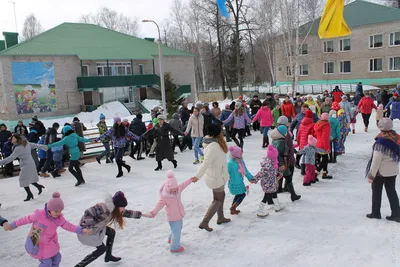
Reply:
x=288, y=71
x=344, y=45
x=114, y=69
x=394, y=64
x=345, y=66
x=85, y=70
x=394, y=39
x=122, y=94
x=304, y=49
x=304, y=70
x=141, y=69
x=375, y=65
x=289, y=50
x=328, y=47
x=376, y=41
x=329, y=67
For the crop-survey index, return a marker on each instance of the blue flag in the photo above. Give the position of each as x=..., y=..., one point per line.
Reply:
x=222, y=8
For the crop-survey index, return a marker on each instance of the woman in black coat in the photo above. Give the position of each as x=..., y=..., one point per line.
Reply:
x=164, y=149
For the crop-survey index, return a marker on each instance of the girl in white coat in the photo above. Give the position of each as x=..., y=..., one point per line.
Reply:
x=215, y=172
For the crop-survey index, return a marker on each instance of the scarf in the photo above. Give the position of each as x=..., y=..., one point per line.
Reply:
x=241, y=169
x=209, y=140
x=388, y=143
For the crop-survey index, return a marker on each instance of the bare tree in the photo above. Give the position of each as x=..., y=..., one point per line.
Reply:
x=32, y=27
x=112, y=20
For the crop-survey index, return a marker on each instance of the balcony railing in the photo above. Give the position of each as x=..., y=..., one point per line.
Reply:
x=95, y=82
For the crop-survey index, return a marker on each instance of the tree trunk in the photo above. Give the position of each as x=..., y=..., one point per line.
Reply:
x=237, y=44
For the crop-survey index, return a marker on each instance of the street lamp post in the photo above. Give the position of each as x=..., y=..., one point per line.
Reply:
x=15, y=16
x=161, y=64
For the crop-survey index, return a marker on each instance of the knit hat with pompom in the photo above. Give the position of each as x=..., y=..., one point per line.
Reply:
x=272, y=153
x=236, y=152
x=120, y=200
x=55, y=203
x=170, y=182
x=312, y=141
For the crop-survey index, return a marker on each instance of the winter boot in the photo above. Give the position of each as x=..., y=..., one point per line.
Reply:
x=175, y=163
x=374, y=216
x=326, y=176
x=92, y=257
x=261, y=212
x=330, y=157
x=221, y=218
x=297, y=164
x=55, y=174
x=120, y=172
x=109, y=246
x=366, y=129
x=209, y=214
x=334, y=157
x=393, y=218
x=277, y=205
x=179, y=250
x=108, y=160
x=234, y=211
x=159, y=167
x=29, y=194
x=126, y=166
x=354, y=131
x=293, y=195
x=98, y=160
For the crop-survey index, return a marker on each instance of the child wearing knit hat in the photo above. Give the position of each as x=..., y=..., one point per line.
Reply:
x=42, y=242
x=237, y=169
x=309, y=152
x=170, y=197
x=269, y=176
x=99, y=218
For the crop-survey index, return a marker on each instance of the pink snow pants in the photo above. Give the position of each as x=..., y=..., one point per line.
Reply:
x=310, y=173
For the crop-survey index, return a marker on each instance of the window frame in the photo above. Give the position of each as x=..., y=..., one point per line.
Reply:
x=333, y=64
x=393, y=64
x=88, y=73
x=342, y=41
x=333, y=46
x=340, y=67
x=114, y=65
x=369, y=41
x=394, y=35
x=288, y=69
x=369, y=65
x=141, y=65
x=300, y=69
x=301, y=50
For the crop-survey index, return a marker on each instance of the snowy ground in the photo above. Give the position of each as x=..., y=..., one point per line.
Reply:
x=327, y=226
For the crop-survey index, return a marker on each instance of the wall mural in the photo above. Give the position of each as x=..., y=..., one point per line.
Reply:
x=34, y=87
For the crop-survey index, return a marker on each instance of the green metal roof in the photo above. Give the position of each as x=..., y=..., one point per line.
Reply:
x=360, y=13
x=89, y=42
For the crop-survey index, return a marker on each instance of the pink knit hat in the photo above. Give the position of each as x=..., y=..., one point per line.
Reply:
x=380, y=107
x=312, y=141
x=170, y=182
x=236, y=152
x=117, y=119
x=55, y=203
x=324, y=117
x=272, y=153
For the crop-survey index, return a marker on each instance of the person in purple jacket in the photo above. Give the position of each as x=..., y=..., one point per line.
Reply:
x=241, y=119
x=120, y=137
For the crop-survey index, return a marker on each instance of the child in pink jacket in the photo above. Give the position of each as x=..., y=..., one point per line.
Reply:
x=170, y=197
x=264, y=114
x=42, y=241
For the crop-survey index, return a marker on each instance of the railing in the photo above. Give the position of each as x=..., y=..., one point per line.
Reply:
x=117, y=81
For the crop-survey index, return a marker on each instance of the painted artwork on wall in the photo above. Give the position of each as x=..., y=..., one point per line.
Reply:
x=34, y=87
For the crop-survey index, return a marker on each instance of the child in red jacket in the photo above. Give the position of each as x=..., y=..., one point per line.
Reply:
x=322, y=130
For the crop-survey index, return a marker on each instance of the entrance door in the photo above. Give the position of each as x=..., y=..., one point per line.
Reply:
x=143, y=93
x=88, y=98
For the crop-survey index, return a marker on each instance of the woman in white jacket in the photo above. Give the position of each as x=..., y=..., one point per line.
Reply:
x=383, y=169
x=215, y=172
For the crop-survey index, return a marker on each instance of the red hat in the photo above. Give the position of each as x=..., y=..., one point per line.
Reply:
x=326, y=91
x=241, y=97
x=396, y=94
x=335, y=106
x=309, y=114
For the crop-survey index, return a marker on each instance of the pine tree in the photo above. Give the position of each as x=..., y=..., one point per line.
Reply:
x=171, y=96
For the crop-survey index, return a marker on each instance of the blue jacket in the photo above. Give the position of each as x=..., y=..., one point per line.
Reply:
x=395, y=109
x=236, y=184
x=224, y=115
x=72, y=142
x=297, y=120
x=335, y=128
x=41, y=153
x=57, y=153
x=7, y=149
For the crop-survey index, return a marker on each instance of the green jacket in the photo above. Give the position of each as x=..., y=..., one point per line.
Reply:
x=335, y=128
x=71, y=141
x=276, y=113
x=102, y=130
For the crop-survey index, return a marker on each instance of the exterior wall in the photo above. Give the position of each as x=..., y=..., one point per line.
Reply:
x=68, y=98
x=148, y=65
x=182, y=71
x=359, y=56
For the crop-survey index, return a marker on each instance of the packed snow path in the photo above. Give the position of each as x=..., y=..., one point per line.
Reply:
x=327, y=226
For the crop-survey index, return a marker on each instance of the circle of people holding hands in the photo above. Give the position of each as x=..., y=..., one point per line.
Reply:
x=306, y=134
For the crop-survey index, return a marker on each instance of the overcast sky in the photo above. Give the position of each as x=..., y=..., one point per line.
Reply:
x=51, y=13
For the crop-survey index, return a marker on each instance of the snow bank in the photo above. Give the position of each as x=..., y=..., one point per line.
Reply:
x=90, y=119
